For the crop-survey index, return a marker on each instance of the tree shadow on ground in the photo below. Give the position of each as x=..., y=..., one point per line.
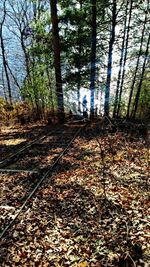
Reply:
x=96, y=225
x=24, y=134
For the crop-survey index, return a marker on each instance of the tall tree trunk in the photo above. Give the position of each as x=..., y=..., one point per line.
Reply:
x=135, y=106
x=125, y=58
x=78, y=88
x=50, y=88
x=109, y=66
x=35, y=88
x=79, y=63
x=57, y=63
x=93, y=59
x=136, y=69
x=121, y=61
x=6, y=70
x=13, y=76
x=26, y=55
x=3, y=54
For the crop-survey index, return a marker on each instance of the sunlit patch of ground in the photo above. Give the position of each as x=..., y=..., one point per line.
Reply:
x=13, y=142
x=7, y=129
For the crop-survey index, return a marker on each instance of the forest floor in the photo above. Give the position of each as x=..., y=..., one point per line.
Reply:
x=93, y=210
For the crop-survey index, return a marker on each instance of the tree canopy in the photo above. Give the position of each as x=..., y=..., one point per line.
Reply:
x=53, y=49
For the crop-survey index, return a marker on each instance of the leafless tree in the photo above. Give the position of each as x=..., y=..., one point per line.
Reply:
x=5, y=64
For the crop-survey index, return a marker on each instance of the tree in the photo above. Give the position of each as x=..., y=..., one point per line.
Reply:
x=125, y=58
x=137, y=65
x=57, y=60
x=18, y=14
x=3, y=53
x=143, y=110
x=109, y=65
x=79, y=61
x=29, y=24
x=135, y=106
x=121, y=60
x=75, y=20
x=93, y=58
x=57, y=63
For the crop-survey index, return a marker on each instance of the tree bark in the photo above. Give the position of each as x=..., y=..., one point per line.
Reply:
x=93, y=59
x=125, y=58
x=109, y=66
x=136, y=69
x=3, y=54
x=13, y=76
x=50, y=89
x=79, y=63
x=135, y=106
x=121, y=61
x=57, y=63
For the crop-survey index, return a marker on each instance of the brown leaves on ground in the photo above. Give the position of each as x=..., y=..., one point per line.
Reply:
x=90, y=212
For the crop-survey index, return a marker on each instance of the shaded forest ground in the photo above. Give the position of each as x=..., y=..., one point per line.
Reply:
x=92, y=211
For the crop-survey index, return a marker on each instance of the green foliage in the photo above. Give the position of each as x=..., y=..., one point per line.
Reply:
x=144, y=101
x=75, y=30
